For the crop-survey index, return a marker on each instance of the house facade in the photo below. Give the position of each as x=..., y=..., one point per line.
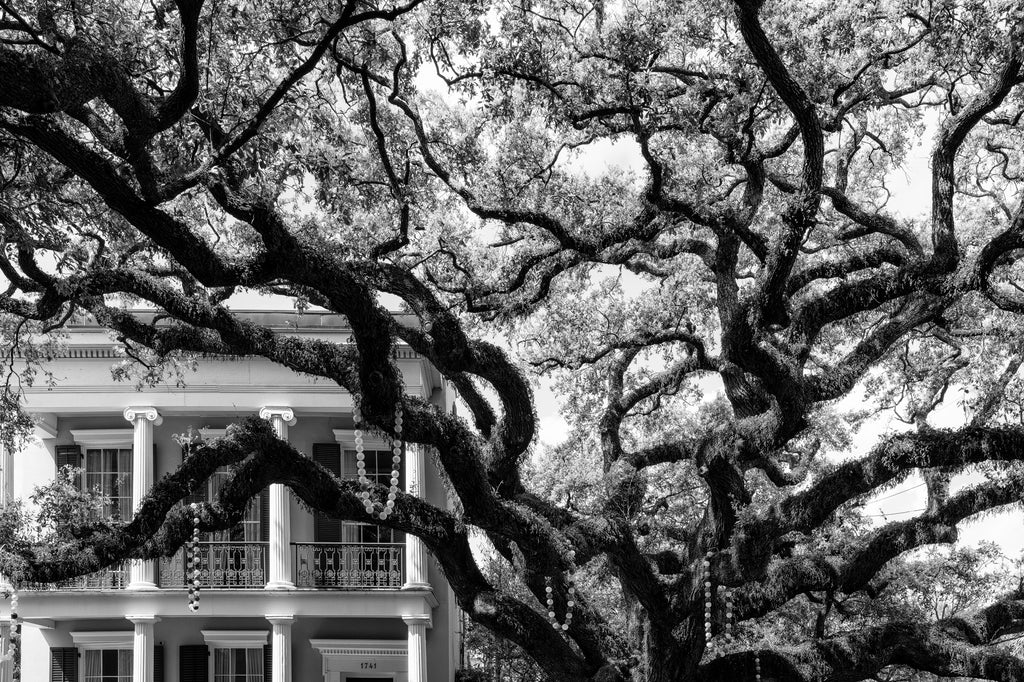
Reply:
x=287, y=595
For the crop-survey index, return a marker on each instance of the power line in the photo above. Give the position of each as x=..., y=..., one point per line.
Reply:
x=909, y=511
x=901, y=492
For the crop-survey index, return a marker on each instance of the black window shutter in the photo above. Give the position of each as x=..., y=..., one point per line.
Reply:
x=194, y=663
x=64, y=664
x=158, y=663
x=327, y=455
x=265, y=514
x=268, y=662
x=71, y=456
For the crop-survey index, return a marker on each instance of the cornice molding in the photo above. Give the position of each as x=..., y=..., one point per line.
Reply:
x=105, y=639
x=102, y=437
x=235, y=639
x=361, y=647
x=112, y=352
x=372, y=440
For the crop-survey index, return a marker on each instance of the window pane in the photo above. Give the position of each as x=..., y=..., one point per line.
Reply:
x=109, y=662
x=93, y=666
x=109, y=471
x=124, y=463
x=248, y=529
x=238, y=665
x=221, y=662
x=378, y=470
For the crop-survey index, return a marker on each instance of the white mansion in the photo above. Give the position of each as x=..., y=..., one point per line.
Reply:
x=287, y=596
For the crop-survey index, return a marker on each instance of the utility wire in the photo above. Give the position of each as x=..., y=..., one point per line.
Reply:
x=919, y=485
x=909, y=511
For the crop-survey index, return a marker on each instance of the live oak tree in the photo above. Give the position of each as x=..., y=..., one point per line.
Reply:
x=758, y=241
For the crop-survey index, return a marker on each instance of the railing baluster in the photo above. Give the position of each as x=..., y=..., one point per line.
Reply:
x=222, y=565
x=348, y=565
x=243, y=565
x=114, y=578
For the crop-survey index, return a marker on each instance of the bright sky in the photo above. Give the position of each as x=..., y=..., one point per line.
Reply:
x=911, y=188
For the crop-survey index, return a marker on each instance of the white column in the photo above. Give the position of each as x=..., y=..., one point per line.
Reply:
x=143, y=573
x=6, y=476
x=280, y=517
x=415, y=552
x=6, y=497
x=417, y=652
x=281, y=648
x=142, y=648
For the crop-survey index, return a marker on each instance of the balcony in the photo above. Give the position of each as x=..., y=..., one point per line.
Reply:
x=115, y=578
x=349, y=565
x=222, y=565
x=243, y=566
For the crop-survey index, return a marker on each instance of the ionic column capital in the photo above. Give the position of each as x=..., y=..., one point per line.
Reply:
x=286, y=414
x=147, y=413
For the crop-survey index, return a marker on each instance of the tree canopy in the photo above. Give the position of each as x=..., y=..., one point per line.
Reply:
x=720, y=311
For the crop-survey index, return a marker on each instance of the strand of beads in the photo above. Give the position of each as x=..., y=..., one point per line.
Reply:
x=194, y=585
x=569, y=604
x=12, y=644
x=725, y=594
x=396, y=464
x=757, y=666
x=570, y=599
x=707, y=601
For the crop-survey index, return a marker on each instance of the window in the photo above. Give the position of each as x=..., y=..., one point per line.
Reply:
x=238, y=655
x=378, y=471
x=109, y=470
x=108, y=665
x=106, y=466
x=248, y=529
x=238, y=665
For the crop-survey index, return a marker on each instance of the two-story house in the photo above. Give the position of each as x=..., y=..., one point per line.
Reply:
x=286, y=595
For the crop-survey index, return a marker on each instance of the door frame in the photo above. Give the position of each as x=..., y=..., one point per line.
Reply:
x=342, y=658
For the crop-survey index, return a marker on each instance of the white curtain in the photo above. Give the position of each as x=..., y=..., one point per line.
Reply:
x=254, y=664
x=349, y=529
x=93, y=666
x=221, y=664
x=124, y=664
x=227, y=665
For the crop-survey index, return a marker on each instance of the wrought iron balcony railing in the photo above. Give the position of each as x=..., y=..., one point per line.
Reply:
x=115, y=578
x=222, y=565
x=349, y=565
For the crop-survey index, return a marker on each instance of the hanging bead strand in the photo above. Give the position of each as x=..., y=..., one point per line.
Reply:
x=396, y=461
x=707, y=601
x=192, y=551
x=15, y=634
x=757, y=666
x=569, y=604
x=364, y=482
x=570, y=600
x=550, y=600
x=729, y=624
x=725, y=595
